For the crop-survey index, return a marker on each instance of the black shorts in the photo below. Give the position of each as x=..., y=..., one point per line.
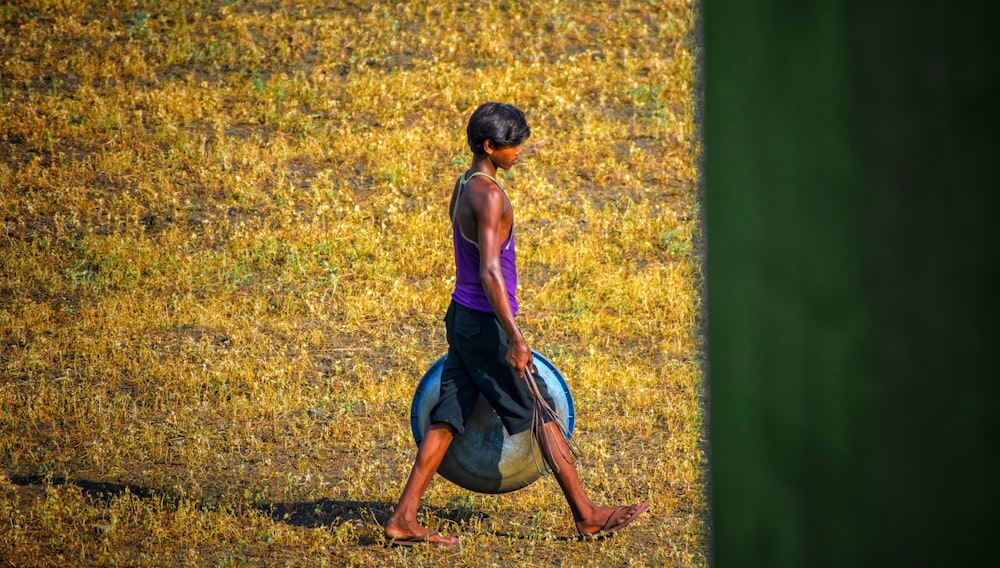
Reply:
x=477, y=349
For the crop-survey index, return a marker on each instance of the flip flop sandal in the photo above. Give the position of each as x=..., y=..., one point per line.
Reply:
x=607, y=531
x=422, y=539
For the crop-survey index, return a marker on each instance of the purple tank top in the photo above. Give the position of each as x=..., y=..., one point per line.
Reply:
x=469, y=290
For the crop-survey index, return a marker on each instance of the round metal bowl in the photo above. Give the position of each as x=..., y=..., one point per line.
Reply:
x=484, y=458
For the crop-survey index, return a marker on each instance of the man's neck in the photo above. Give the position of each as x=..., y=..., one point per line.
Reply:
x=483, y=163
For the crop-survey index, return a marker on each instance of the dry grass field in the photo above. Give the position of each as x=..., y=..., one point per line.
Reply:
x=225, y=256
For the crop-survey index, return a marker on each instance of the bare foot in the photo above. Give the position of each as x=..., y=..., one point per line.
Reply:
x=414, y=534
x=607, y=520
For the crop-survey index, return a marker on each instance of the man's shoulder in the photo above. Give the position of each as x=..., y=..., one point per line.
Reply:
x=483, y=191
x=483, y=184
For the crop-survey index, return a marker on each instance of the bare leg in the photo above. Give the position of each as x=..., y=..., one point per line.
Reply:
x=590, y=519
x=403, y=522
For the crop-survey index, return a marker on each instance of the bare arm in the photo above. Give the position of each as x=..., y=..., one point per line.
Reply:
x=492, y=229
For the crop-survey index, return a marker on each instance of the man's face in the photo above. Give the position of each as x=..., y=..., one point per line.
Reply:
x=505, y=157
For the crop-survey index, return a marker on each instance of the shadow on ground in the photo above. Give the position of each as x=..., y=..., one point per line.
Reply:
x=326, y=512
x=95, y=489
x=369, y=516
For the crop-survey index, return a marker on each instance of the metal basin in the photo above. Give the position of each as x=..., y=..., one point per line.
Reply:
x=484, y=458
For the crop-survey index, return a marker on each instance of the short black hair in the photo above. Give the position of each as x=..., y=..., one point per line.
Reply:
x=502, y=123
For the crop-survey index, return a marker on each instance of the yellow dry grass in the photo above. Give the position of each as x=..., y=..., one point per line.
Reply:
x=224, y=258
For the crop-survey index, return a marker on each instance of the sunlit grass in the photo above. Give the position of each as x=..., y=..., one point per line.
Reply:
x=225, y=256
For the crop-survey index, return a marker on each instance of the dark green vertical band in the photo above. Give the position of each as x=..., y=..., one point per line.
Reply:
x=850, y=215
